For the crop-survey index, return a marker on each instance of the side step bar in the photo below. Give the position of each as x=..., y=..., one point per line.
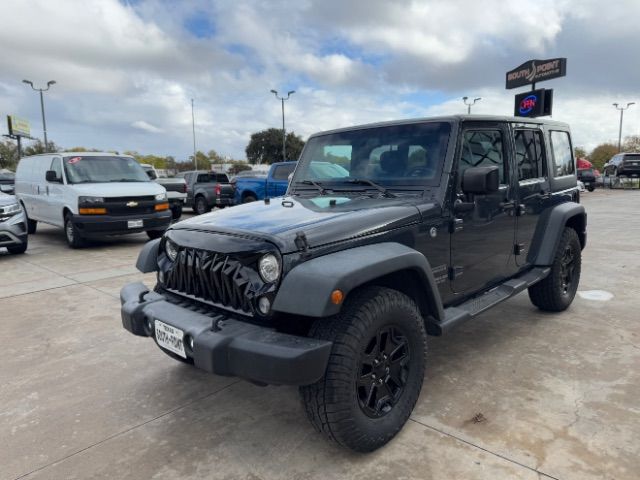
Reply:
x=475, y=306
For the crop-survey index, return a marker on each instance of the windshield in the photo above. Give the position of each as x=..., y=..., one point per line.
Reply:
x=392, y=156
x=94, y=169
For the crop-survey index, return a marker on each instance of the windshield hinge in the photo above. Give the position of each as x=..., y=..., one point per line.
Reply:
x=302, y=244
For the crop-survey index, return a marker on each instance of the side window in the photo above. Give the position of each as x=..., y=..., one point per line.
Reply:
x=281, y=172
x=203, y=178
x=529, y=154
x=562, y=155
x=56, y=166
x=482, y=148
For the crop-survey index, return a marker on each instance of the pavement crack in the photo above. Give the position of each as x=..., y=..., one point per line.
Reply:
x=127, y=430
x=486, y=450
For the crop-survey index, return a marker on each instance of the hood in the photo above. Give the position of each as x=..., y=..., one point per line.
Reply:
x=7, y=199
x=118, y=189
x=324, y=219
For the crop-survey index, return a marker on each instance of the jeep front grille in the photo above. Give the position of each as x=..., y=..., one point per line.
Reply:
x=213, y=277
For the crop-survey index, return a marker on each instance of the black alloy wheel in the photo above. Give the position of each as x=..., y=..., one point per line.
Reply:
x=383, y=372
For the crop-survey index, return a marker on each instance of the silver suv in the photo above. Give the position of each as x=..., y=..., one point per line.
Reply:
x=13, y=225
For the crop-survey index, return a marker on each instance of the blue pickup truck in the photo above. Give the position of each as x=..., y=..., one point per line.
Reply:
x=258, y=186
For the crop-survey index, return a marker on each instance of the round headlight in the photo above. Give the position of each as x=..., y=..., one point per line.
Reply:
x=171, y=249
x=269, y=268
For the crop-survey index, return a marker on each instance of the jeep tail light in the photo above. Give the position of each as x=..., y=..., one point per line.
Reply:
x=185, y=189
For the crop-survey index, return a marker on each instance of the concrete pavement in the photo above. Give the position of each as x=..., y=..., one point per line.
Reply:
x=514, y=394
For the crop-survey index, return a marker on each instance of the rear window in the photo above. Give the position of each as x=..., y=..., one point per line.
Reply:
x=562, y=154
x=282, y=172
x=633, y=157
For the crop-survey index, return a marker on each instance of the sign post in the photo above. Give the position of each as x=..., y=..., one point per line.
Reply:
x=19, y=128
x=537, y=102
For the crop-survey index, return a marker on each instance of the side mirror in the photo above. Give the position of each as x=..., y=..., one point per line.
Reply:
x=481, y=180
x=51, y=176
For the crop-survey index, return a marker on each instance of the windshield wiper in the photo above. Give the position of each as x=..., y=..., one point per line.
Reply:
x=318, y=185
x=377, y=186
x=127, y=180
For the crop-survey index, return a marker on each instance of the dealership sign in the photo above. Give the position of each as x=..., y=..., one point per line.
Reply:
x=534, y=71
x=18, y=126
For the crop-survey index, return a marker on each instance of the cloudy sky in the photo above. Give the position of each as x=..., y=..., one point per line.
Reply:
x=126, y=70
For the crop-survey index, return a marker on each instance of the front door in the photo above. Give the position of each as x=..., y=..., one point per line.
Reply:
x=482, y=237
x=55, y=195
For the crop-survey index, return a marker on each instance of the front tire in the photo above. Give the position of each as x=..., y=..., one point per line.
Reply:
x=556, y=292
x=176, y=212
x=153, y=234
x=375, y=369
x=72, y=234
x=18, y=249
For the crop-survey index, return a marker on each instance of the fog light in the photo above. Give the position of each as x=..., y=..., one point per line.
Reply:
x=191, y=343
x=264, y=305
x=148, y=326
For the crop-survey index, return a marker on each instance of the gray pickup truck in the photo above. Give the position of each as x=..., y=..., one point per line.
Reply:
x=206, y=190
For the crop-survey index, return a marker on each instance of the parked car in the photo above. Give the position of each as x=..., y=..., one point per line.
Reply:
x=335, y=287
x=258, y=185
x=176, y=189
x=206, y=190
x=623, y=165
x=588, y=177
x=13, y=225
x=91, y=194
x=7, y=182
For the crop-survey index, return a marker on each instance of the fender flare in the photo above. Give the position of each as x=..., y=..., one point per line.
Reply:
x=549, y=231
x=148, y=257
x=306, y=289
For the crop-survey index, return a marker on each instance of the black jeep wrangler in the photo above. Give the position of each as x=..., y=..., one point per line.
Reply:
x=399, y=230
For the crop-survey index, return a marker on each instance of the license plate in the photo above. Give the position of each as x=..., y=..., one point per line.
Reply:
x=170, y=338
x=135, y=224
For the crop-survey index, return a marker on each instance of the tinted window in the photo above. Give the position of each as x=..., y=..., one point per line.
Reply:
x=529, y=154
x=281, y=172
x=56, y=166
x=410, y=154
x=203, y=178
x=222, y=178
x=482, y=148
x=562, y=154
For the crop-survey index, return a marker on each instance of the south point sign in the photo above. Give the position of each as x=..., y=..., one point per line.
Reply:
x=534, y=71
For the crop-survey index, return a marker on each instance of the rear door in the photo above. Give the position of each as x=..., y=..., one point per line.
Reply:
x=482, y=238
x=279, y=180
x=530, y=163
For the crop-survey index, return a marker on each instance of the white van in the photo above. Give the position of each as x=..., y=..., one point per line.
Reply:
x=91, y=194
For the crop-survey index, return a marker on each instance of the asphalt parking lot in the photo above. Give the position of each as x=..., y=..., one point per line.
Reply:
x=514, y=394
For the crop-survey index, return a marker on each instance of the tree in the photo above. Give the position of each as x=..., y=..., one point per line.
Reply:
x=8, y=155
x=580, y=152
x=37, y=148
x=237, y=166
x=631, y=144
x=215, y=157
x=602, y=154
x=266, y=146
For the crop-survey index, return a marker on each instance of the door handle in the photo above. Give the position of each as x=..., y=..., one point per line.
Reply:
x=508, y=205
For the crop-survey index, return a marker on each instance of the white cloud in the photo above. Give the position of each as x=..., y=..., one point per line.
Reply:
x=147, y=127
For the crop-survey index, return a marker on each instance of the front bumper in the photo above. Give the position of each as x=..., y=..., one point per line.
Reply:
x=13, y=231
x=224, y=344
x=100, y=225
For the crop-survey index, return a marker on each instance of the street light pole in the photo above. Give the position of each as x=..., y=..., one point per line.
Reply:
x=44, y=123
x=284, y=132
x=464, y=99
x=193, y=128
x=622, y=109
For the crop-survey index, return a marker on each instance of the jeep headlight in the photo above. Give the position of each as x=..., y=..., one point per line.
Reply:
x=171, y=249
x=85, y=200
x=161, y=197
x=269, y=268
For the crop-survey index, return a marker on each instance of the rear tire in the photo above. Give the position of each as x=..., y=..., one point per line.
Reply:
x=201, y=206
x=591, y=188
x=249, y=199
x=556, y=292
x=73, y=235
x=375, y=369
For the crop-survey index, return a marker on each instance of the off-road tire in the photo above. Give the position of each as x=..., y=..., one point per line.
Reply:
x=201, y=206
x=72, y=234
x=332, y=403
x=18, y=249
x=551, y=294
